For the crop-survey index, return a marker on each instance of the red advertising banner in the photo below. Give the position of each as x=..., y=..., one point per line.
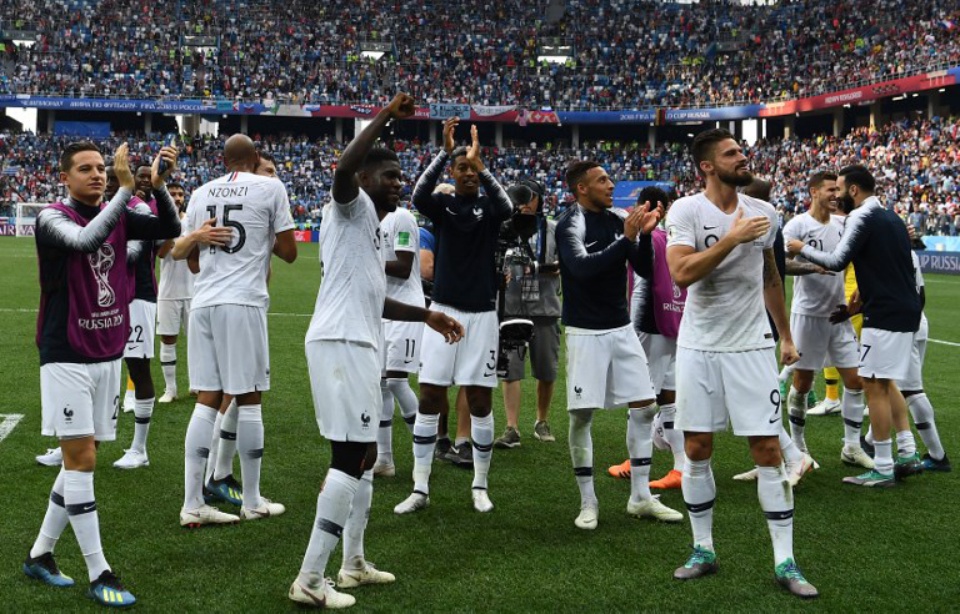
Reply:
x=867, y=93
x=303, y=236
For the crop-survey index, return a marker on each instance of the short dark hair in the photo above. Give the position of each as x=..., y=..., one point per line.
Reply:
x=759, y=188
x=858, y=175
x=268, y=157
x=457, y=152
x=377, y=156
x=704, y=142
x=174, y=184
x=653, y=194
x=577, y=170
x=816, y=180
x=66, y=158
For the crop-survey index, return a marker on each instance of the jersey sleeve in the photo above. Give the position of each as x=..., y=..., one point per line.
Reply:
x=282, y=219
x=406, y=234
x=681, y=229
x=427, y=241
x=771, y=238
x=793, y=230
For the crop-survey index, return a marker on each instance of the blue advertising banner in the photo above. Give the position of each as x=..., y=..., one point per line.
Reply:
x=92, y=130
x=446, y=111
x=940, y=262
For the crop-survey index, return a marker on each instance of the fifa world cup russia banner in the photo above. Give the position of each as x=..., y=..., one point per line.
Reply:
x=494, y=113
x=866, y=93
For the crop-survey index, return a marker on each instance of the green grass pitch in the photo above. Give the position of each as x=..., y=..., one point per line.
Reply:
x=865, y=550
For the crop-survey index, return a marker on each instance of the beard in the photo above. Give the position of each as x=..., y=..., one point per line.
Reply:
x=845, y=203
x=740, y=179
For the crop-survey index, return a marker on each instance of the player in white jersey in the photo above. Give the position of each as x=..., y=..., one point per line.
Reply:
x=343, y=345
x=227, y=347
x=401, y=355
x=819, y=341
x=219, y=483
x=173, y=302
x=720, y=247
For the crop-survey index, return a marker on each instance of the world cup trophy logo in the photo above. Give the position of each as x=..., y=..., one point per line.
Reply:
x=101, y=262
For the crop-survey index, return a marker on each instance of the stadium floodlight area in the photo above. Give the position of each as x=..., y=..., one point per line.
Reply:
x=27, y=218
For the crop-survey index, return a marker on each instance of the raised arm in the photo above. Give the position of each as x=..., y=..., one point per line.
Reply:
x=346, y=186
x=423, y=198
x=502, y=205
x=166, y=224
x=55, y=229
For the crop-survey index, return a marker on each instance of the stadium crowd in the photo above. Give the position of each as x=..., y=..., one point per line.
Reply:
x=914, y=160
x=625, y=54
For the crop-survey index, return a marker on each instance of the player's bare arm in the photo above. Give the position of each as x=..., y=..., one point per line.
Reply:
x=688, y=266
x=450, y=328
x=285, y=247
x=402, y=267
x=799, y=269
x=775, y=302
x=207, y=234
x=346, y=186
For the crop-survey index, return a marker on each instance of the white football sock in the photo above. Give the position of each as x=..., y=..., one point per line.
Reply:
x=357, y=523
x=406, y=399
x=640, y=448
x=699, y=493
x=196, y=450
x=142, y=412
x=168, y=364
x=791, y=453
x=922, y=411
x=250, y=446
x=81, y=507
x=228, y=442
x=424, y=443
x=674, y=437
x=851, y=407
x=906, y=444
x=797, y=405
x=581, y=453
x=385, y=432
x=776, y=501
x=481, y=431
x=333, y=508
x=883, y=456
x=55, y=520
x=214, y=449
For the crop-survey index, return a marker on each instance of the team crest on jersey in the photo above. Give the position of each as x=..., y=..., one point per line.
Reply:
x=101, y=262
x=365, y=420
x=478, y=212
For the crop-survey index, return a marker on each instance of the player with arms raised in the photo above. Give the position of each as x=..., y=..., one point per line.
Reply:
x=343, y=345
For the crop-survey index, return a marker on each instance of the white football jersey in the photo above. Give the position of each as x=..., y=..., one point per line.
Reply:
x=350, y=302
x=725, y=310
x=816, y=295
x=176, y=280
x=256, y=208
x=402, y=234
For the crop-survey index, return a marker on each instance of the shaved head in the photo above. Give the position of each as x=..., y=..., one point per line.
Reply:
x=240, y=154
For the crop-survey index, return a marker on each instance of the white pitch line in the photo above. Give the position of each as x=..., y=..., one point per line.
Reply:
x=942, y=342
x=10, y=421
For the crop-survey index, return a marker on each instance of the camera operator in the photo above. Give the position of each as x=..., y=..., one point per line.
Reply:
x=532, y=291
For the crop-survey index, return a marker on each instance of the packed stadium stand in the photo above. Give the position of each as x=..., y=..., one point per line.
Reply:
x=622, y=55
